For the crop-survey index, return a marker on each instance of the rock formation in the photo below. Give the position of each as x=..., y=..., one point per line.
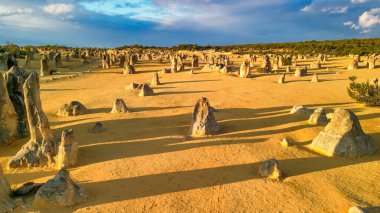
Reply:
x=60, y=191
x=245, y=70
x=74, y=108
x=119, y=107
x=318, y=117
x=15, y=79
x=173, y=64
x=128, y=69
x=344, y=137
x=146, y=91
x=300, y=72
x=353, y=64
x=41, y=148
x=300, y=110
x=44, y=66
x=6, y=204
x=155, y=80
x=97, y=128
x=8, y=116
x=203, y=121
x=269, y=169
x=68, y=150
x=281, y=80
x=58, y=59
x=315, y=78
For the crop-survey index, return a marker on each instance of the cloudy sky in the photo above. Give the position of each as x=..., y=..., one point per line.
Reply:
x=110, y=23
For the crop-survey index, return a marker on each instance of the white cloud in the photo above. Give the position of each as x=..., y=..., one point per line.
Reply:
x=367, y=21
x=335, y=10
x=306, y=9
x=358, y=1
x=56, y=9
x=8, y=11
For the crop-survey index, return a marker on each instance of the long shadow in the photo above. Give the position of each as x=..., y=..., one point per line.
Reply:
x=180, y=92
x=154, y=135
x=159, y=184
x=143, y=109
x=49, y=90
x=181, y=82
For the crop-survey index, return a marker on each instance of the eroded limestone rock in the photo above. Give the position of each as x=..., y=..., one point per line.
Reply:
x=203, y=121
x=344, y=137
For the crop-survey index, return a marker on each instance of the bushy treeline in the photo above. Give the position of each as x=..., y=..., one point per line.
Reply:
x=331, y=47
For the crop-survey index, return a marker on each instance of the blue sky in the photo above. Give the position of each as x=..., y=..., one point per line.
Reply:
x=111, y=23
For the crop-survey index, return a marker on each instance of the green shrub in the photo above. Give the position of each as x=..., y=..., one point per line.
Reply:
x=364, y=92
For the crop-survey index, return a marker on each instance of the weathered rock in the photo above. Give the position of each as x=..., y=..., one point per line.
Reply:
x=6, y=203
x=58, y=59
x=29, y=188
x=356, y=209
x=203, y=121
x=300, y=110
x=27, y=59
x=288, y=69
x=68, y=150
x=315, y=78
x=146, y=91
x=41, y=148
x=74, y=108
x=173, y=64
x=281, y=80
x=44, y=66
x=344, y=137
x=155, y=80
x=97, y=128
x=353, y=64
x=315, y=65
x=300, y=72
x=14, y=86
x=287, y=142
x=318, y=117
x=129, y=69
x=269, y=169
x=60, y=191
x=245, y=70
x=372, y=63
x=8, y=116
x=119, y=107
x=134, y=87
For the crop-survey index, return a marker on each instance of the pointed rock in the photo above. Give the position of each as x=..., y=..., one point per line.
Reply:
x=155, y=80
x=203, y=121
x=41, y=148
x=318, y=117
x=344, y=137
x=129, y=69
x=60, y=191
x=315, y=78
x=146, y=91
x=68, y=150
x=8, y=116
x=119, y=106
x=97, y=128
x=281, y=80
x=14, y=86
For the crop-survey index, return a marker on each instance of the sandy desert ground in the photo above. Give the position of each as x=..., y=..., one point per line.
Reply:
x=144, y=162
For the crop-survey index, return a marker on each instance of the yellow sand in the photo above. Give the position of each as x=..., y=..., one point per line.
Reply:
x=144, y=162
